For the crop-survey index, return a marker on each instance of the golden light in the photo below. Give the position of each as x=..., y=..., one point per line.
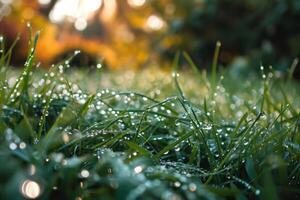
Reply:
x=75, y=11
x=136, y=3
x=28, y=13
x=109, y=10
x=124, y=33
x=44, y=2
x=6, y=1
x=30, y=189
x=154, y=23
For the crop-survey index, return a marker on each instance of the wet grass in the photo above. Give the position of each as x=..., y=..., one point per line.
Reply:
x=184, y=135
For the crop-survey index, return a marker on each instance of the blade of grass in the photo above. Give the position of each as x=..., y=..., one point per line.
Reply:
x=292, y=68
x=173, y=145
x=214, y=67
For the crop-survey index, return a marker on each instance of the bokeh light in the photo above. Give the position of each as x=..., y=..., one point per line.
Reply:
x=80, y=24
x=44, y=2
x=154, y=23
x=136, y=3
x=6, y=1
x=77, y=11
x=30, y=189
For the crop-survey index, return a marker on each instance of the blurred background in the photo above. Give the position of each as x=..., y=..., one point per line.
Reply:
x=137, y=34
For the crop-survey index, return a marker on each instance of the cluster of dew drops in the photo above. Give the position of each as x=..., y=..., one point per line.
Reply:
x=129, y=108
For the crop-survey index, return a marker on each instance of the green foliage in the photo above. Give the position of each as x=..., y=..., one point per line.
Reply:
x=59, y=142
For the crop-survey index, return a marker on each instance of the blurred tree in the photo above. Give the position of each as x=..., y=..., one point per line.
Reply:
x=264, y=31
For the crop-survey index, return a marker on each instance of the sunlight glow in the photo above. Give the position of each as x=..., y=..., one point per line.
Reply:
x=6, y=1
x=5, y=7
x=109, y=10
x=75, y=11
x=44, y=2
x=136, y=3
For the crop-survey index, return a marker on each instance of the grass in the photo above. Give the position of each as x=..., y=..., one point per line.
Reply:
x=153, y=136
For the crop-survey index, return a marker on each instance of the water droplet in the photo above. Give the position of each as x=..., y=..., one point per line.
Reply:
x=155, y=109
x=177, y=184
x=192, y=187
x=99, y=66
x=173, y=74
x=138, y=169
x=22, y=145
x=177, y=149
x=85, y=173
x=13, y=146
x=257, y=192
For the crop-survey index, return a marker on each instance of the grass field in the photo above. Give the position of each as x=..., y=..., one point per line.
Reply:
x=151, y=134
